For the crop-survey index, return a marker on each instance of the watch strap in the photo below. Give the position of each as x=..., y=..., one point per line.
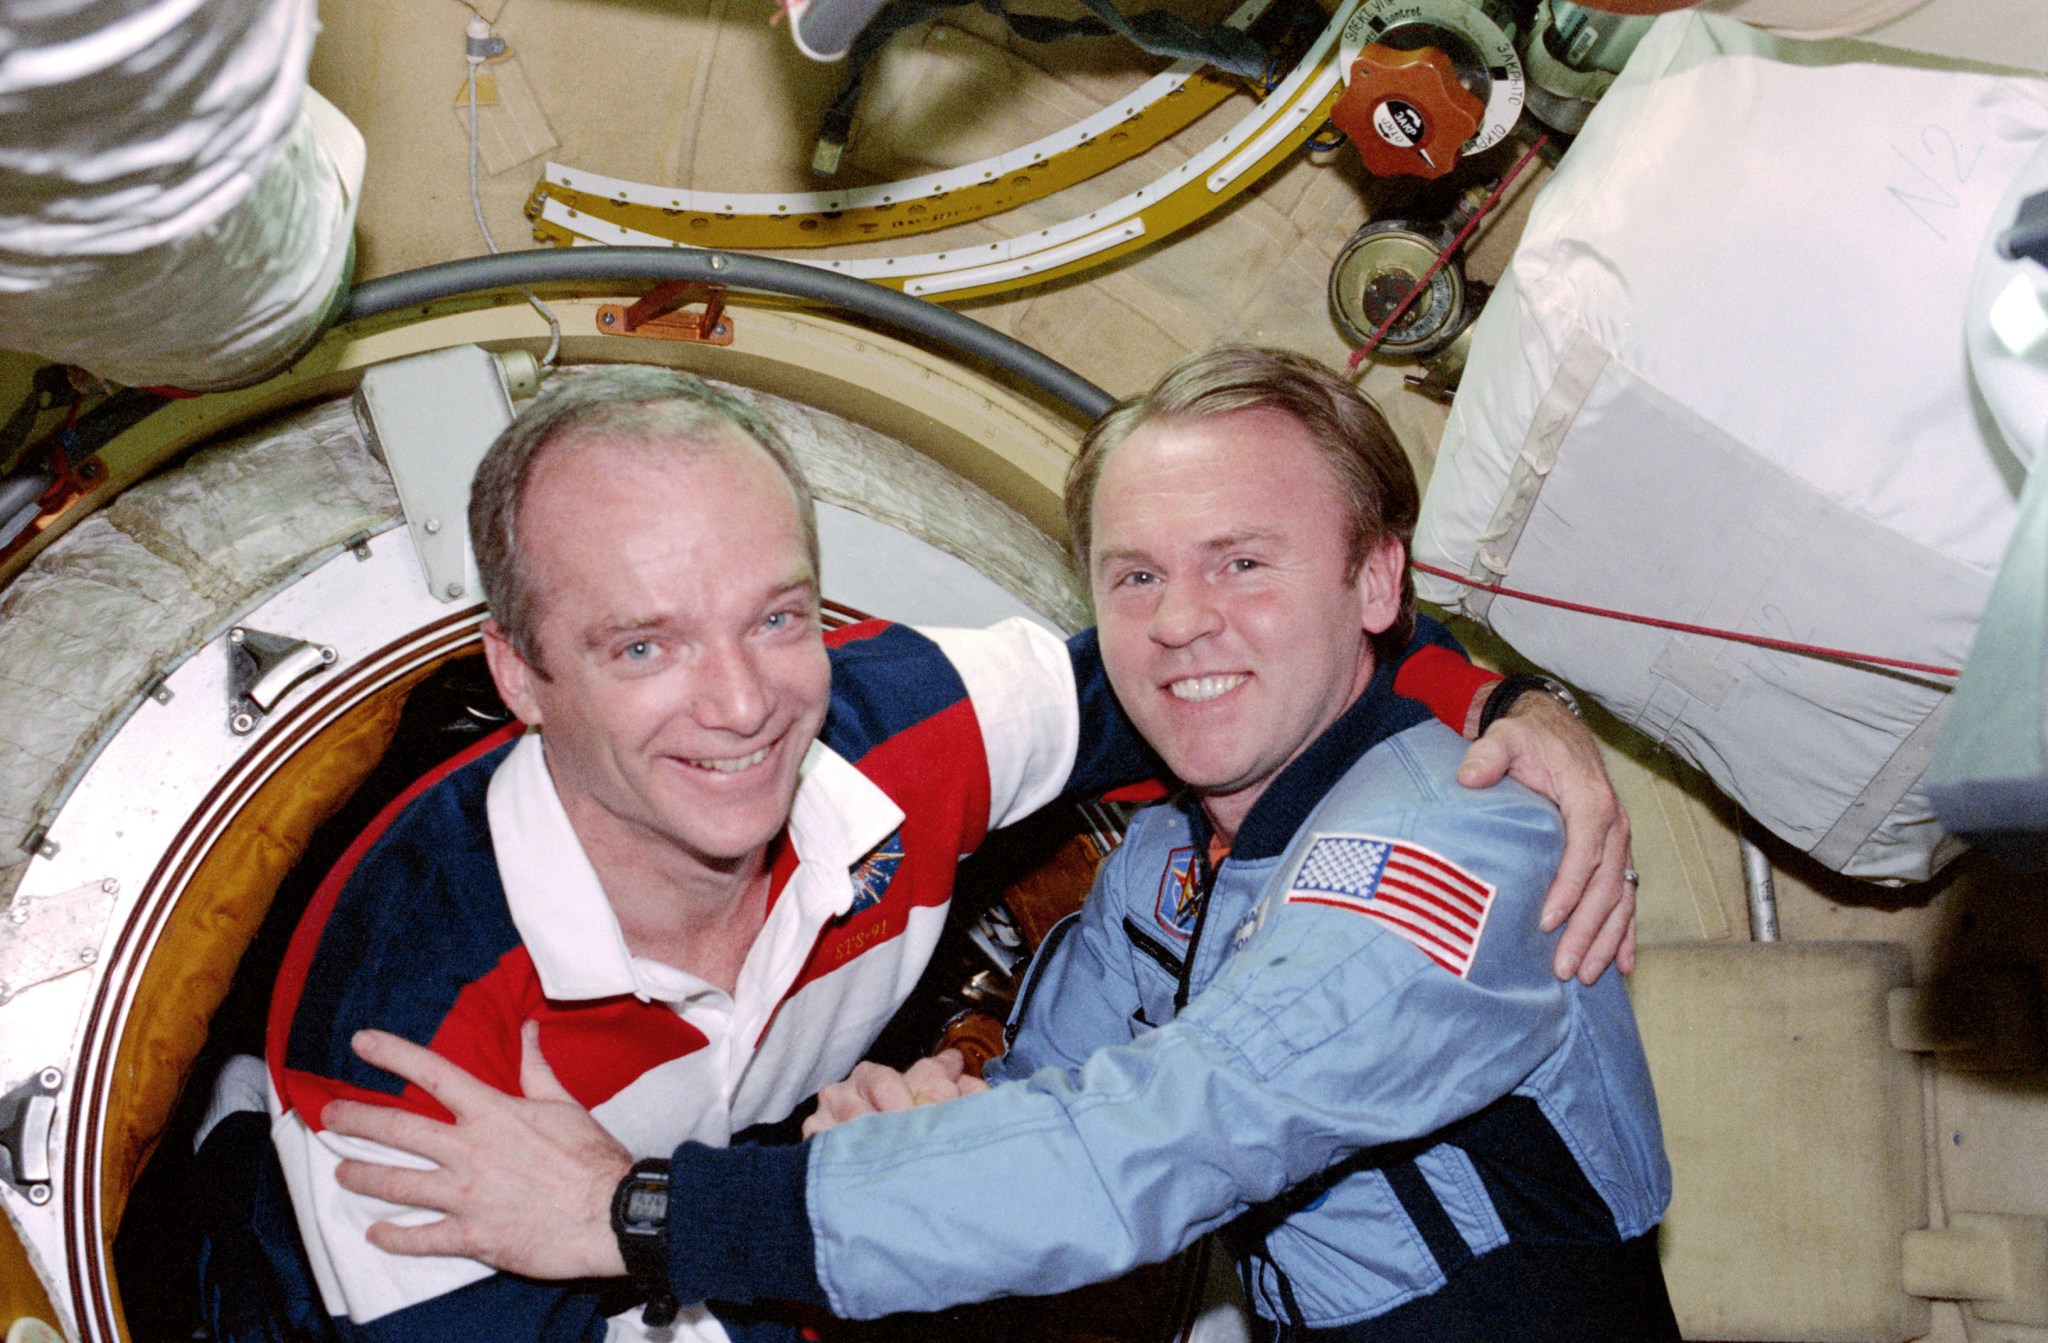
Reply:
x=643, y=1238
x=1512, y=688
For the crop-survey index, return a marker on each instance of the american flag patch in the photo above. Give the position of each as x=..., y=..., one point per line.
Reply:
x=1423, y=897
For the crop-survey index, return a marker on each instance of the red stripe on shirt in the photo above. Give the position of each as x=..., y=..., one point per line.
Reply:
x=305, y=943
x=937, y=773
x=937, y=770
x=852, y=634
x=596, y=1048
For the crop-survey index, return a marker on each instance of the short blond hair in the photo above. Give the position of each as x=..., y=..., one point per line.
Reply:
x=1347, y=431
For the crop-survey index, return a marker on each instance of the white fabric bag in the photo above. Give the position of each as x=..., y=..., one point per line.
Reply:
x=1724, y=383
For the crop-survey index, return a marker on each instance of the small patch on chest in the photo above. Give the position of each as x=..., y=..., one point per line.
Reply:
x=872, y=877
x=1179, y=887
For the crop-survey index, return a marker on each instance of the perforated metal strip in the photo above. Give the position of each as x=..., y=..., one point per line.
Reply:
x=1213, y=176
x=1160, y=110
x=1162, y=107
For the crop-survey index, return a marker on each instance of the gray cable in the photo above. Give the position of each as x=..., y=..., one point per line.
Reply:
x=513, y=270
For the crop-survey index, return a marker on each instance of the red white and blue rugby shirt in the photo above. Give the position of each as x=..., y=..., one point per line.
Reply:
x=470, y=907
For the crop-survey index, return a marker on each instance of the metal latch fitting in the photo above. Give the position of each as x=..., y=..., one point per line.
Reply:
x=262, y=667
x=27, y=1115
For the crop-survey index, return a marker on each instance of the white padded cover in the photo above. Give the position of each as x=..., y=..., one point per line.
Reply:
x=175, y=205
x=1724, y=383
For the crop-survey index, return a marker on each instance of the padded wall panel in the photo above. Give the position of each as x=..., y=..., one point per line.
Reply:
x=1794, y=1131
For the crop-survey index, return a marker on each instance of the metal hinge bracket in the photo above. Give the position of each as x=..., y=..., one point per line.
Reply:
x=661, y=314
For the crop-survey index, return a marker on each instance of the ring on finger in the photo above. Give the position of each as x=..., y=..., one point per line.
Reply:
x=1631, y=876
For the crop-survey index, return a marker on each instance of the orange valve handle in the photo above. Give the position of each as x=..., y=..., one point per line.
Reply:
x=1406, y=111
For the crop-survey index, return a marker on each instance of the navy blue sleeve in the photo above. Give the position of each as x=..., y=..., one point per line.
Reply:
x=1111, y=753
x=739, y=1226
x=1429, y=630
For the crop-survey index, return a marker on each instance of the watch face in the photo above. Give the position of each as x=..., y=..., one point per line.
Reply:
x=646, y=1205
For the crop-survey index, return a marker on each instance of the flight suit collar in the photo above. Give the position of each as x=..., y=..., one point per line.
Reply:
x=1377, y=714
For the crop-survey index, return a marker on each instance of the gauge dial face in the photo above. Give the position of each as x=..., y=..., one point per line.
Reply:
x=1483, y=52
x=1376, y=271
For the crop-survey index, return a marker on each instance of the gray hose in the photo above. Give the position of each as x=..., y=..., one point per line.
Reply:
x=739, y=271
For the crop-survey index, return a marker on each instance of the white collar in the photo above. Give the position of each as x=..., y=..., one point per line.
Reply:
x=560, y=908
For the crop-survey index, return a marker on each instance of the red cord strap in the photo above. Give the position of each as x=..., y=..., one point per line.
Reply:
x=1760, y=640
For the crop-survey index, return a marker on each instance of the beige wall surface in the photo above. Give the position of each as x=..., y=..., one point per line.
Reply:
x=1997, y=32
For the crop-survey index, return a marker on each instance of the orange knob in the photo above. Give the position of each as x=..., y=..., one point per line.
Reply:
x=1406, y=111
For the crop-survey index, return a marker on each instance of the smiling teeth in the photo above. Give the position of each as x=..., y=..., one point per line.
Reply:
x=1199, y=688
x=734, y=764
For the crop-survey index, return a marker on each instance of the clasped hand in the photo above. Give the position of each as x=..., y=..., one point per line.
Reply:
x=873, y=1089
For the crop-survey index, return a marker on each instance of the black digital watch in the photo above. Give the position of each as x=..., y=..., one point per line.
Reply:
x=640, y=1221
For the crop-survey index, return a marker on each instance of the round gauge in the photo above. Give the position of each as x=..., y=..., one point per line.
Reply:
x=1377, y=269
x=1481, y=49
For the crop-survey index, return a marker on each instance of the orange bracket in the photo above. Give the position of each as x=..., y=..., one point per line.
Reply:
x=660, y=314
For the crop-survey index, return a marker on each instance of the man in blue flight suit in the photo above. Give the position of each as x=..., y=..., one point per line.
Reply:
x=1308, y=1004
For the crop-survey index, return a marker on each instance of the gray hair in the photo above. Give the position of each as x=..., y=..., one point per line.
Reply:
x=658, y=407
x=1347, y=431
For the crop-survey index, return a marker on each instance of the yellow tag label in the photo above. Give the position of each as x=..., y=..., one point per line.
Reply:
x=486, y=89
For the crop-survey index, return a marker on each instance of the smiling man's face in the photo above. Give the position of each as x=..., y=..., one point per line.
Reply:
x=677, y=619
x=1229, y=627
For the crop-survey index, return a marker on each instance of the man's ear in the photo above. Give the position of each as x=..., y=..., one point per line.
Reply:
x=513, y=674
x=1379, y=584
